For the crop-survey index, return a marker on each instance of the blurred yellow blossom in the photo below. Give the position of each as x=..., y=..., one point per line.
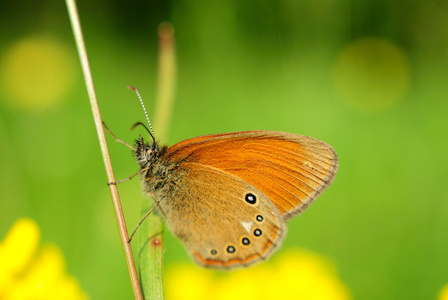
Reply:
x=371, y=74
x=443, y=295
x=296, y=274
x=36, y=71
x=26, y=273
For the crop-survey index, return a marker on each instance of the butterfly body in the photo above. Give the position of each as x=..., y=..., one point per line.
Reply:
x=227, y=197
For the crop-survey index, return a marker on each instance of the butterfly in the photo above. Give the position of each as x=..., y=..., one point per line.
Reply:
x=228, y=196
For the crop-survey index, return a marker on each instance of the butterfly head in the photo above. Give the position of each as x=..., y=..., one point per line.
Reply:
x=145, y=153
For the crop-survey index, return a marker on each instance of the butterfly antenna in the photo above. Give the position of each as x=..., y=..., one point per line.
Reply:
x=151, y=132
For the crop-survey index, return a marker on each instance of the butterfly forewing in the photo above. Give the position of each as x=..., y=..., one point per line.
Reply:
x=291, y=170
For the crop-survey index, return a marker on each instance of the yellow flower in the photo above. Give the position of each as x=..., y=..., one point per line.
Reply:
x=443, y=295
x=295, y=274
x=26, y=273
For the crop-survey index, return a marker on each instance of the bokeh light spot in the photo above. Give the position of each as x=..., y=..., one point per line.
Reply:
x=371, y=74
x=36, y=72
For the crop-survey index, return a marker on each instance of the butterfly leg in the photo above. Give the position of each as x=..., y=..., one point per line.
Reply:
x=144, y=217
x=126, y=179
x=117, y=139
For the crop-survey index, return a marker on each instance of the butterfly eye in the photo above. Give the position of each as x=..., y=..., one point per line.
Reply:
x=149, y=154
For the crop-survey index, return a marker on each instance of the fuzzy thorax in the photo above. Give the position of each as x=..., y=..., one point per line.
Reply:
x=150, y=157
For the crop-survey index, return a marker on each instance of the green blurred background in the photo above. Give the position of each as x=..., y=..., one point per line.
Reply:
x=368, y=77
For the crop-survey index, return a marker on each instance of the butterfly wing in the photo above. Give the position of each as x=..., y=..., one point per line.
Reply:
x=291, y=170
x=223, y=221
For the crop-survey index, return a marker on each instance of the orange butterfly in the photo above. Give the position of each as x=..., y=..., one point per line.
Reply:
x=228, y=196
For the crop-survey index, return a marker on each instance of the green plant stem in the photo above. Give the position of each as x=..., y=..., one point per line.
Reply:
x=151, y=253
x=151, y=242
x=166, y=80
x=77, y=32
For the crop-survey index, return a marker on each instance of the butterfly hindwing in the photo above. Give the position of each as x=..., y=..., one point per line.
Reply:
x=223, y=221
